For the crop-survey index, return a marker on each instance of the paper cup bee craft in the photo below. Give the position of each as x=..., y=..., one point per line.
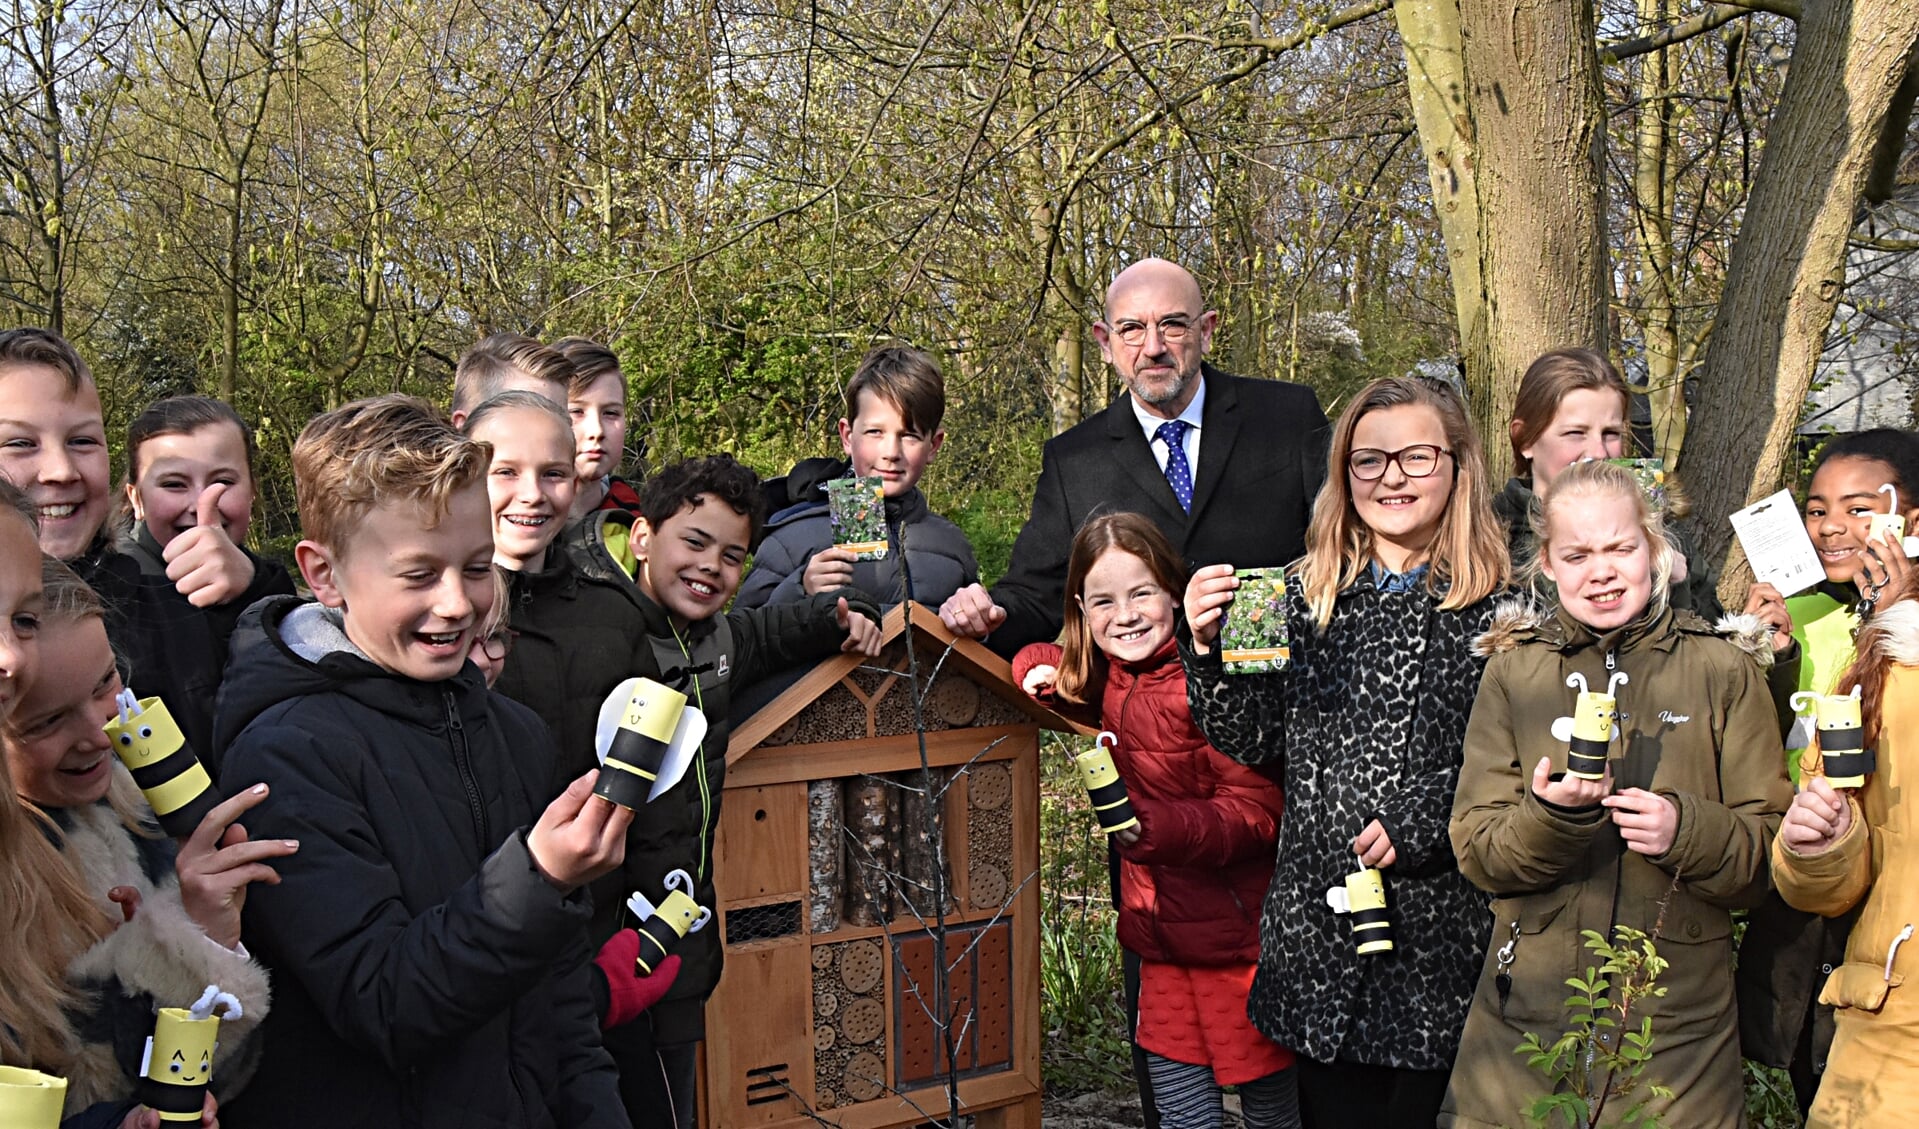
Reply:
x=663, y=926
x=178, y=1066
x=1363, y=896
x=1588, y=732
x=1843, y=756
x=1890, y=527
x=857, y=509
x=154, y=750
x=647, y=736
x=30, y=1099
x=1104, y=786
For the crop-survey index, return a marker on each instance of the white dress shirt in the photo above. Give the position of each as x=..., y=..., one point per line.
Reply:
x=1149, y=423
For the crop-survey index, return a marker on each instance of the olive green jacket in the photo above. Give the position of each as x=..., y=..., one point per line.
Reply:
x=1696, y=726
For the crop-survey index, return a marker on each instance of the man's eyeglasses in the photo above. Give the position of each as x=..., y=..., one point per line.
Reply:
x=1171, y=330
x=1417, y=461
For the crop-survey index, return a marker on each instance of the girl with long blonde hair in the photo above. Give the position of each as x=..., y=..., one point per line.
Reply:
x=124, y=920
x=1365, y=724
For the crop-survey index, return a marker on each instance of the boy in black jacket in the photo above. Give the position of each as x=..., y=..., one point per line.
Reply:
x=698, y=520
x=428, y=947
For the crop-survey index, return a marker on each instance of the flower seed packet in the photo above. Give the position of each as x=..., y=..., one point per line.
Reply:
x=857, y=507
x=1651, y=474
x=1253, y=638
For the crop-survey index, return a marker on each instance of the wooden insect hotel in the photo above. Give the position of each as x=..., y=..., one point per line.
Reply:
x=851, y=995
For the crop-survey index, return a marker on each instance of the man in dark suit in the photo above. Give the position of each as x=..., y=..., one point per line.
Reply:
x=1227, y=467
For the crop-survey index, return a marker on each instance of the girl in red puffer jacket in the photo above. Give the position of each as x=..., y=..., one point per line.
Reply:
x=1193, y=874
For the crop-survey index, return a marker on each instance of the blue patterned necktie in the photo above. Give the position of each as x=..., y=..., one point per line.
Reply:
x=1179, y=473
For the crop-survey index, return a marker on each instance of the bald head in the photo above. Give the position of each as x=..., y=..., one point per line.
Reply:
x=1170, y=282
x=1156, y=333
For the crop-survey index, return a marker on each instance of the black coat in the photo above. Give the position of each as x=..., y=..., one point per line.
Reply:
x=937, y=552
x=424, y=972
x=174, y=650
x=711, y=660
x=1262, y=458
x=576, y=637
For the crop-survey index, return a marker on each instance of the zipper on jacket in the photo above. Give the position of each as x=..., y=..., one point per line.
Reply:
x=462, y=760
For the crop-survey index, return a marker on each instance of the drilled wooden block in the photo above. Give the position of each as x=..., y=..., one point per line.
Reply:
x=993, y=1012
x=863, y=1021
x=824, y=1036
x=988, y=786
x=862, y=966
x=825, y=1004
x=956, y=700
x=988, y=884
x=865, y=1076
x=823, y=957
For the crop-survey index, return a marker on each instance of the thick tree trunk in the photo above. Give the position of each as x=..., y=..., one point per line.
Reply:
x=1538, y=124
x=1787, y=266
x=1436, y=81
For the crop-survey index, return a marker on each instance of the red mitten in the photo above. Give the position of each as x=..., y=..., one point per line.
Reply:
x=628, y=993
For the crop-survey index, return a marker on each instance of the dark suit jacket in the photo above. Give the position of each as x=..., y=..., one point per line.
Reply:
x=1262, y=457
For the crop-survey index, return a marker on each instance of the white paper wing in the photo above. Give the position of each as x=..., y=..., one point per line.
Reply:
x=679, y=755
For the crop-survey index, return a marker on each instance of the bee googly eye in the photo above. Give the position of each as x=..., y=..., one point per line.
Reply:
x=175, y=1067
x=146, y=732
x=126, y=739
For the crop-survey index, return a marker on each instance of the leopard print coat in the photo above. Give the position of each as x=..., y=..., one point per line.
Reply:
x=1367, y=723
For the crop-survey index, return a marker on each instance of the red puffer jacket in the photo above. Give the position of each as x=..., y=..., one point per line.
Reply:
x=1192, y=887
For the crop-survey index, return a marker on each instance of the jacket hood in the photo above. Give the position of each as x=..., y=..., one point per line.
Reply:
x=1514, y=621
x=285, y=648
x=1521, y=620
x=1895, y=632
x=1515, y=501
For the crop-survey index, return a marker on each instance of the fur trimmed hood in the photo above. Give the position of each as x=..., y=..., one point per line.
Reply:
x=160, y=958
x=1896, y=632
x=1514, y=622
x=1749, y=634
x=1518, y=620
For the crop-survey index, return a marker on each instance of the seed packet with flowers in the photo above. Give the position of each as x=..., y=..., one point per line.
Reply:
x=1651, y=475
x=1253, y=638
x=857, y=507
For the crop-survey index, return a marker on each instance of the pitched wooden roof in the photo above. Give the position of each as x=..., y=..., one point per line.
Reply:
x=933, y=646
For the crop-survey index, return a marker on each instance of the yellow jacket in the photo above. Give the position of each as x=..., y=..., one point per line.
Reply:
x=1872, y=1078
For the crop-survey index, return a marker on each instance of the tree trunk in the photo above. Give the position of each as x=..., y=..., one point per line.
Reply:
x=1429, y=34
x=230, y=293
x=1787, y=266
x=1538, y=124
x=1652, y=235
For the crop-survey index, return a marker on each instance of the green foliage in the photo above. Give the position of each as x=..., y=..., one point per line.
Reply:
x=1082, y=1008
x=1603, y=1054
x=1770, y=1103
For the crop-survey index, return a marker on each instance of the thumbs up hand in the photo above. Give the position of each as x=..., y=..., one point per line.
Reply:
x=204, y=563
